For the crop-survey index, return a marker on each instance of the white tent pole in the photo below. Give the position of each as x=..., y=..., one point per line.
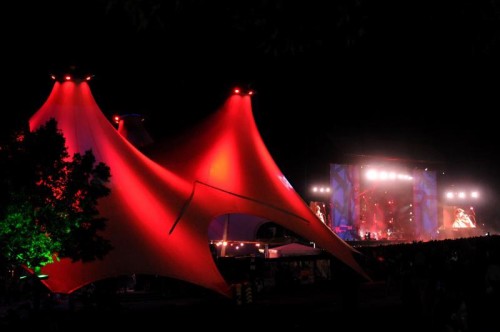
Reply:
x=224, y=236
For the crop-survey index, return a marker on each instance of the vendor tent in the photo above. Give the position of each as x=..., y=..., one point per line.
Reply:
x=293, y=249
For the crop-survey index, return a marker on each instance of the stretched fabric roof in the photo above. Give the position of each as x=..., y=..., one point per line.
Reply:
x=226, y=154
x=159, y=215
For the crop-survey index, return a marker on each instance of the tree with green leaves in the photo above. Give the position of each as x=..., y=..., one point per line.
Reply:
x=48, y=200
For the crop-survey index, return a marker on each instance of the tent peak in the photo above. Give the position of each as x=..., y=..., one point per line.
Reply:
x=71, y=73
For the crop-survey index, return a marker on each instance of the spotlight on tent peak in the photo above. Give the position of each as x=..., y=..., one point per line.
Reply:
x=117, y=118
x=131, y=127
x=71, y=78
x=71, y=74
x=121, y=117
x=243, y=91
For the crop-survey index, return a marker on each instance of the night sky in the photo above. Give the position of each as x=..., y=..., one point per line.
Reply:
x=416, y=81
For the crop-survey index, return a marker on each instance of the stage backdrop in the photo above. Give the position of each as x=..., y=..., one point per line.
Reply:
x=425, y=205
x=385, y=210
x=344, y=201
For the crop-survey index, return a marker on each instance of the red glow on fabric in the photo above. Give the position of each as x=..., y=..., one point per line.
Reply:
x=160, y=209
x=220, y=169
x=145, y=201
x=249, y=182
x=222, y=164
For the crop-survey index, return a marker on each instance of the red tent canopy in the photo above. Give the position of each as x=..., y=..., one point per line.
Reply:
x=159, y=212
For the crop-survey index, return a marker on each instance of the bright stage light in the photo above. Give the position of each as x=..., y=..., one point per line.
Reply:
x=322, y=190
x=371, y=174
x=463, y=195
x=384, y=175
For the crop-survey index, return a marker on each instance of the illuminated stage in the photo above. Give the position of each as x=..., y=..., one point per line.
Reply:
x=388, y=203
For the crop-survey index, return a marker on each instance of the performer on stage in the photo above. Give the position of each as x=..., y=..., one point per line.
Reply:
x=462, y=220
